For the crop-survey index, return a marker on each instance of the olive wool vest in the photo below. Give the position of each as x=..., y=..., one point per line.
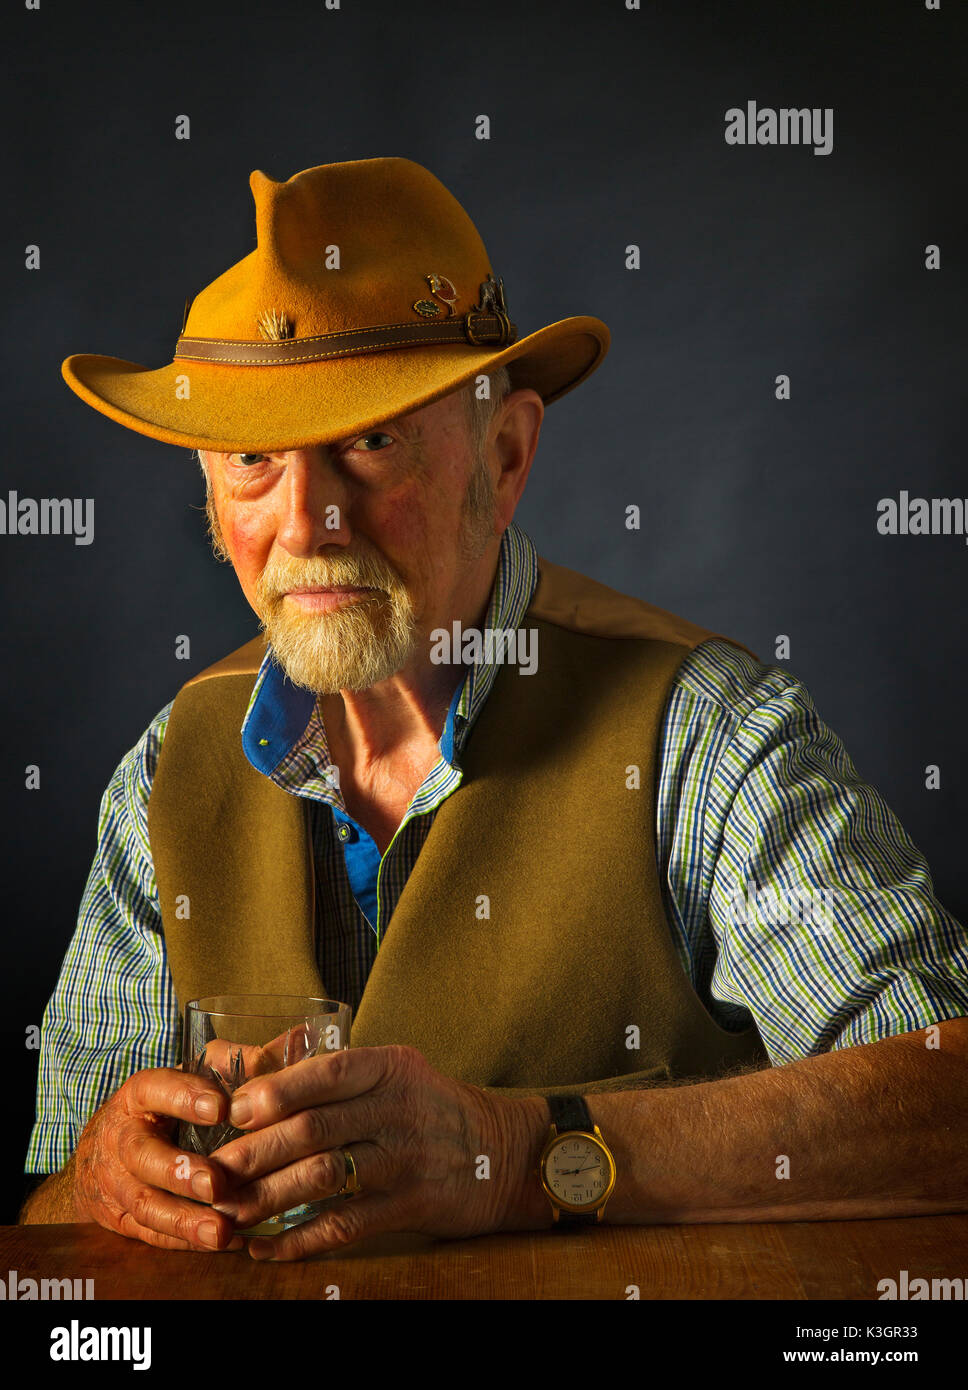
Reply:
x=572, y=980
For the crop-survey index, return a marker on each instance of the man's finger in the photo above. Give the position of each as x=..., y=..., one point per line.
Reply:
x=155, y=1210
x=334, y=1229
x=290, y=1047
x=310, y=1179
x=178, y=1094
x=225, y=1057
x=308, y=1132
x=127, y=1226
x=314, y=1081
x=158, y=1163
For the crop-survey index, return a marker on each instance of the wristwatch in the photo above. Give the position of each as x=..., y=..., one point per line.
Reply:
x=576, y=1167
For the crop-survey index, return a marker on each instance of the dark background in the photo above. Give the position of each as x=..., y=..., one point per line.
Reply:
x=758, y=516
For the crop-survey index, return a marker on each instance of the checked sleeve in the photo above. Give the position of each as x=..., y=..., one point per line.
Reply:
x=113, y=1011
x=761, y=820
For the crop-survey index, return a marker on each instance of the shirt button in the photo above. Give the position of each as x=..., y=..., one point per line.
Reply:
x=344, y=832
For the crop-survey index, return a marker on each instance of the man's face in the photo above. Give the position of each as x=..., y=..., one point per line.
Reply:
x=400, y=518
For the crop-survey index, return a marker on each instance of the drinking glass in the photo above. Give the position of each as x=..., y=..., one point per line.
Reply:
x=231, y=1038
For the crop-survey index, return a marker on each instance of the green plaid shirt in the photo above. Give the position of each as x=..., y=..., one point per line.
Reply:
x=755, y=795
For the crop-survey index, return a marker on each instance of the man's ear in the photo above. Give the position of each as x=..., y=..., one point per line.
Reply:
x=516, y=439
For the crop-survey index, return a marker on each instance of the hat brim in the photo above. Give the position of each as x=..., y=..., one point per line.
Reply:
x=206, y=405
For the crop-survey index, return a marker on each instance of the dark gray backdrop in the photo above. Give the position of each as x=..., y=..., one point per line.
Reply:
x=607, y=128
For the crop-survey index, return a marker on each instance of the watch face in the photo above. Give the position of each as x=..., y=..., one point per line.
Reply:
x=577, y=1171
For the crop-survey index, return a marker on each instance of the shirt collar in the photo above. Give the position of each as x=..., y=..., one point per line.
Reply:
x=279, y=712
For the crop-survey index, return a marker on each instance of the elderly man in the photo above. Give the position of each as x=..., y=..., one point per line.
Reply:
x=522, y=875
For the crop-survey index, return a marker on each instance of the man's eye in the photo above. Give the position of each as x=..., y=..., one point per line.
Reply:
x=249, y=459
x=363, y=442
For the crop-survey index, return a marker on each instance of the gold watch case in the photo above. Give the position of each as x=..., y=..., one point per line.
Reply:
x=576, y=1145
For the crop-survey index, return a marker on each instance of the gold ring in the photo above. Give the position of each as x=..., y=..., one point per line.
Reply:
x=352, y=1182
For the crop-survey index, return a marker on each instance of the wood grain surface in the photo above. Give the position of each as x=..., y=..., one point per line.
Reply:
x=792, y=1260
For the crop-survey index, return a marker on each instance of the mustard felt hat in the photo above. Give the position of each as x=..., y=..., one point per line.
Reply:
x=369, y=294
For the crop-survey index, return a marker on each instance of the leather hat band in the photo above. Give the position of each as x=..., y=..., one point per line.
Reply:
x=483, y=330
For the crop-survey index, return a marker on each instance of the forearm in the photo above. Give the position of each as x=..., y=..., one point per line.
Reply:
x=52, y=1203
x=868, y=1131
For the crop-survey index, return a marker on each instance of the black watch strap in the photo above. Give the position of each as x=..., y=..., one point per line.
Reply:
x=570, y=1112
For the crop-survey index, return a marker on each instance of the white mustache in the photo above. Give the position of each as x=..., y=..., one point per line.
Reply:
x=277, y=584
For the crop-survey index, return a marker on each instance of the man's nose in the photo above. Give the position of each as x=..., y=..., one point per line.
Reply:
x=314, y=500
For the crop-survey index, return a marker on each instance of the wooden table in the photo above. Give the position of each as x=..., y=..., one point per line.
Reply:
x=794, y=1260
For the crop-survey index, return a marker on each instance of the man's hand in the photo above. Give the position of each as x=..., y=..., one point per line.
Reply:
x=130, y=1177
x=432, y=1154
